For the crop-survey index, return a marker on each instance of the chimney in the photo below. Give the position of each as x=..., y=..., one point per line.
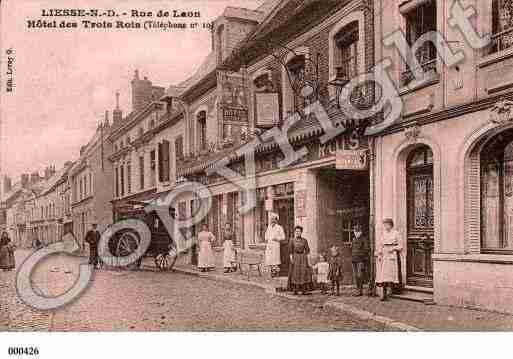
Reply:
x=24, y=180
x=106, y=123
x=142, y=91
x=117, y=115
x=7, y=184
x=34, y=177
x=49, y=171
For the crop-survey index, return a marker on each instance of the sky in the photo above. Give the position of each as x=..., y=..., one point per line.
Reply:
x=66, y=79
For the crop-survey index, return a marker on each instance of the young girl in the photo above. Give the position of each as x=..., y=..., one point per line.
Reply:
x=228, y=250
x=322, y=268
x=335, y=270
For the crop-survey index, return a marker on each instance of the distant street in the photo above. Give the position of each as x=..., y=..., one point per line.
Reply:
x=151, y=301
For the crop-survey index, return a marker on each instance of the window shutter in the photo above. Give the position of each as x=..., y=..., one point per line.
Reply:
x=473, y=206
x=161, y=168
x=165, y=162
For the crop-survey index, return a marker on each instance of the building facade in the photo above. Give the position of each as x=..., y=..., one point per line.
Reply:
x=443, y=170
x=246, y=89
x=91, y=182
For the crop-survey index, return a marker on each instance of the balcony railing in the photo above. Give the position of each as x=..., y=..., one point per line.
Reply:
x=348, y=68
x=426, y=56
x=502, y=40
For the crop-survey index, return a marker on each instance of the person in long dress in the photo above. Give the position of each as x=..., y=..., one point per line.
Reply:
x=388, y=271
x=7, y=262
x=206, y=260
x=228, y=249
x=300, y=275
x=273, y=236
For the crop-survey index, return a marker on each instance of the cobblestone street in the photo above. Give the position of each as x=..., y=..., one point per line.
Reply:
x=151, y=301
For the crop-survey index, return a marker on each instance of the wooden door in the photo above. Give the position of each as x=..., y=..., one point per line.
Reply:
x=285, y=209
x=420, y=241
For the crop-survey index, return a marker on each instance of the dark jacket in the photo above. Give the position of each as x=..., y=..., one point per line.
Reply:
x=360, y=249
x=93, y=238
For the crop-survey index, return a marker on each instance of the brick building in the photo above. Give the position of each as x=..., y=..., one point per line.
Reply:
x=247, y=86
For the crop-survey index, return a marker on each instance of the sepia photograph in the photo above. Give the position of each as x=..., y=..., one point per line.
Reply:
x=228, y=167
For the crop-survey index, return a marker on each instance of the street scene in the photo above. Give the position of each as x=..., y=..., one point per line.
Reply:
x=313, y=166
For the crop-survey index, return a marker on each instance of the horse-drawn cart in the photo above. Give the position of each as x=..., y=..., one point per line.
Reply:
x=162, y=248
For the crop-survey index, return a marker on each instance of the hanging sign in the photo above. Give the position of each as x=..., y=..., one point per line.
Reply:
x=233, y=97
x=351, y=160
x=268, y=109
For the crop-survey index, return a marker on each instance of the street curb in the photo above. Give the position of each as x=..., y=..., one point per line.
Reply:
x=346, y=308
x=366, y=315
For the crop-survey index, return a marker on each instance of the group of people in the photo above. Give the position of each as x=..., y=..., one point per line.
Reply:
x=7, y=261
x=328, y=271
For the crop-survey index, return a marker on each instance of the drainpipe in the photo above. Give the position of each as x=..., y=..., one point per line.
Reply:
x=372, y=220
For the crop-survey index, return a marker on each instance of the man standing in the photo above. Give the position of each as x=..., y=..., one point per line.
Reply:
x=273, y=236
x=93, y=238
x=360, y=257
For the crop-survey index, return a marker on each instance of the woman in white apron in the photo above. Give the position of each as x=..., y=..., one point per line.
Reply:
x=228, y=250
x=206, y=259
x=273, y=236
x=388, y=270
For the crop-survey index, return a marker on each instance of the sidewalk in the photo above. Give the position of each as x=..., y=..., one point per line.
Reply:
x=395, y=314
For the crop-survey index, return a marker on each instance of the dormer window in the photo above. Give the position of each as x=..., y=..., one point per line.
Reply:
x=346, y=52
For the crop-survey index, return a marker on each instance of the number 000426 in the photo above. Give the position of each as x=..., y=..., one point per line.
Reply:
x=23, y=351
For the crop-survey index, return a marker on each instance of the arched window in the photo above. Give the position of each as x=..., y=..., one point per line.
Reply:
x=202, y=129
x=497, y=194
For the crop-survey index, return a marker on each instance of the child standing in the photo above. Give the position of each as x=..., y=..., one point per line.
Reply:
x=335, y=269
x=228, y=250
x=322, y=268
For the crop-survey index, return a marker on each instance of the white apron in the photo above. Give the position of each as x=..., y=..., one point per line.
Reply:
x=272, y=249
x=228, y=254
x=206, y=257
x=387, y=270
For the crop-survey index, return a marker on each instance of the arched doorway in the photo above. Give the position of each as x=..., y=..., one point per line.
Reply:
x=420, y=217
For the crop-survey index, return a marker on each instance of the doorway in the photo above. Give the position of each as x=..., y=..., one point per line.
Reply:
x=420, y=208
x=284, y=207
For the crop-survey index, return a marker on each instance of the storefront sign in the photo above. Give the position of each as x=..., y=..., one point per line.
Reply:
x=235, y=115
x=300, y=202
x=268, y=109
x=351, y=160
x=350, y=142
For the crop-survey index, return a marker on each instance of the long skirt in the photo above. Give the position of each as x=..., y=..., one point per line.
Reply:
x=387, y=269
x=7, y=257
x=206, y=255
x=300, y=273
x=228, y=254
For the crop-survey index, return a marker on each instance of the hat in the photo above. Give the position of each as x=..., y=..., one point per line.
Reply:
x=389, y=221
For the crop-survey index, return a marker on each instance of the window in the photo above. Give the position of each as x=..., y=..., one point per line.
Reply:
x=420, y=190
x=115, y=147
x=152, y=167
x=179, y=147
x=90, y=183
x=141, y=172
x=129, y=177
x=420, y=21
x=141, y=132
x=202, y=130
x=296, y=76
x=497, y=194
x=502, y=25
x=117, y=181
x=122, y=182
x=346, y=51
x=128, y=140
x=163, y=149
x=227, y=132
x=152, y=123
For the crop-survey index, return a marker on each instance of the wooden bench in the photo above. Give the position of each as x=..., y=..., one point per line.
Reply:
x=251, y=259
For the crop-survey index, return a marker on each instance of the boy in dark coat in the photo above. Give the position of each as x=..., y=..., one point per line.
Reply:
x=335, y=274
x=359, y=257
